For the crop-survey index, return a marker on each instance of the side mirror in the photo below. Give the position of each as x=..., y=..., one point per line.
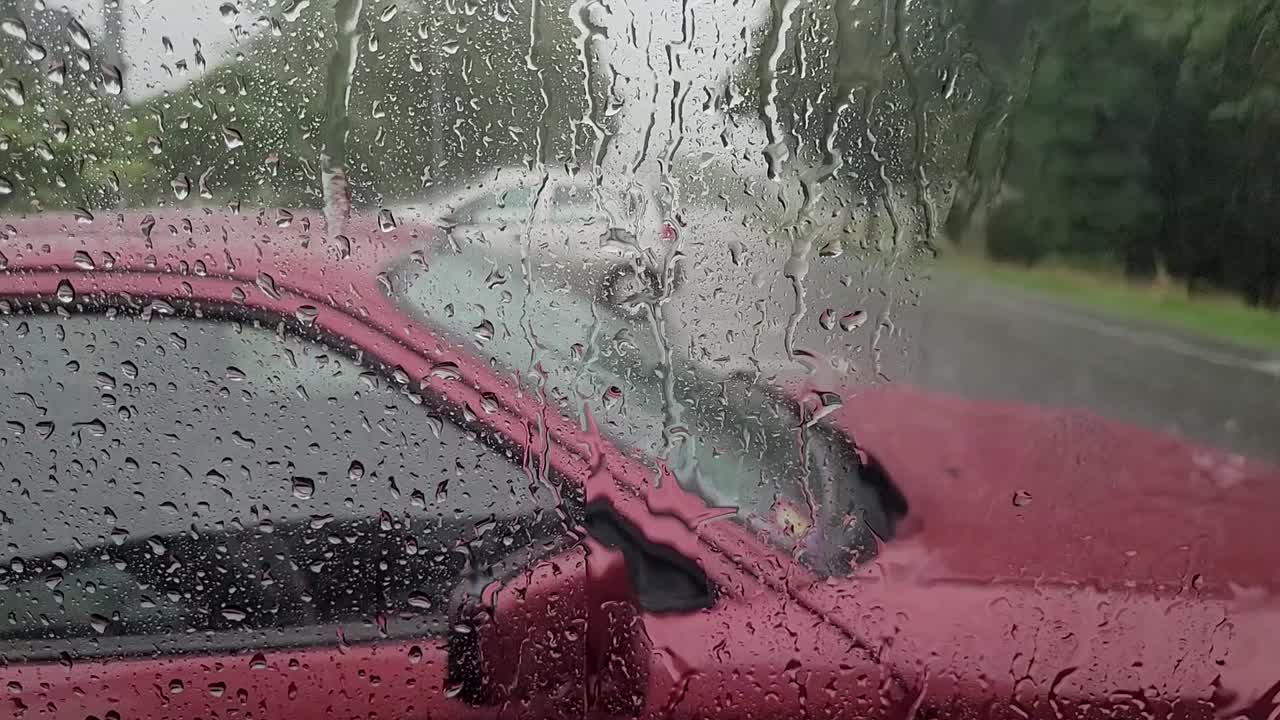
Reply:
x=563, y=639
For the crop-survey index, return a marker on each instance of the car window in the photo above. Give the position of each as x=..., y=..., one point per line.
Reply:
x=734, y=441
x=576, y=205
x=82, y=601
x=220, y=476
x=507, y=206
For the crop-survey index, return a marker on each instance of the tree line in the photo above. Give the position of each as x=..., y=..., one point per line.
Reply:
x=1135, y=135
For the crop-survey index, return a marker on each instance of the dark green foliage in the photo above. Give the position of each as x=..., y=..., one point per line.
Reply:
x=1145, y=139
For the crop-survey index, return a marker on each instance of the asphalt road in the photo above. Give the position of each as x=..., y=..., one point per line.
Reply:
x=1004, y=344
x=947, y=331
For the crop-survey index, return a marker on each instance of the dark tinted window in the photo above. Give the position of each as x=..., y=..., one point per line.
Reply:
x=220, y=482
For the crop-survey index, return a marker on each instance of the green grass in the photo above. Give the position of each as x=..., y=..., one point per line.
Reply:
x=1222, y=317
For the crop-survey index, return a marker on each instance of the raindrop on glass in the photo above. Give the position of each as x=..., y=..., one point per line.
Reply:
x=13, y=91
x=181, y=187
x=303, y=488
x=853, y=320
x=306, y=315
x=232, y=138
x=112, y=80
x=234, y=614
x=79, y=35
x=14, y=27
x=612, y=397
x=66, y=293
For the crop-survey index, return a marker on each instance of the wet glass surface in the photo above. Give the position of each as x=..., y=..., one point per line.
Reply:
x=569, y=358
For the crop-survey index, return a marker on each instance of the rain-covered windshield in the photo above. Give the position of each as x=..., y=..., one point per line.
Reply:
x=958, y=320
x=738, y=443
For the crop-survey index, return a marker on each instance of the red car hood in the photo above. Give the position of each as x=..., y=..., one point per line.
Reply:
x=1059, y=552
x=1001, y=491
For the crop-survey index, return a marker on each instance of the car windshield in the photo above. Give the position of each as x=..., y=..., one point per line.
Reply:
x=740, y=444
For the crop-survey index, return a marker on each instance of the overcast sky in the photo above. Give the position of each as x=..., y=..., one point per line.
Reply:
x=147, y=23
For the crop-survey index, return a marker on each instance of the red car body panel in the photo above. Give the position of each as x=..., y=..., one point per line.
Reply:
x=1141, y=568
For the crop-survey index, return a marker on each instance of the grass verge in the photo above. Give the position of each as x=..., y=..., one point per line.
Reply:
x=1217, y=316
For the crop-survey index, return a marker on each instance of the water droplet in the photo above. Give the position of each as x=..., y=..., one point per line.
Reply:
x=176, y=686
x=14, y=27
x=13, y=91
x=355, y=471
x=66, y=293
x=827, y=319
x=483, y=332
x=232, y=138
x=181, y=187
x=258, y=662
x=35, y=52
x=386, y=221
x=6, y=187
x=99, y=623
x=415, y=654
x=294, y=9
x=446, y=371
x=228, y=12
x=1022, y=498
x=303, y=488
x=853, y=320
x=307, y=315
x=79, y=35
x=83, y=215
x=159, y=307
x=420, y=600
x=56, y=73
x=217, y=689
x=15, y=687
x=83, y=260
x=833, y=248
x=112, y=80
x=612, y=397
x=387, y=13
x=234, y=614
x=267, y=285
x=234, y=374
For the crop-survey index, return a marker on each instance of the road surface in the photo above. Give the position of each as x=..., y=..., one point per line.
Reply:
x=991, y=342
x=948, y=331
